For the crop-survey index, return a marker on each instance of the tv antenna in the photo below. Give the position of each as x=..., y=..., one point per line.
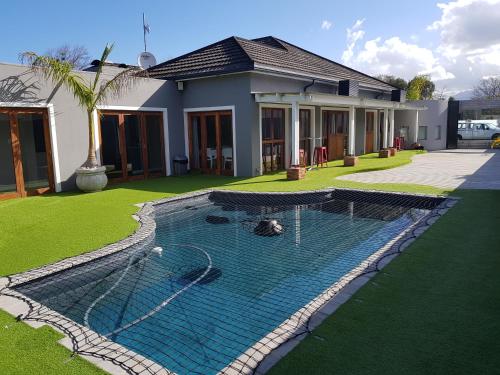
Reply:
x=146, y=59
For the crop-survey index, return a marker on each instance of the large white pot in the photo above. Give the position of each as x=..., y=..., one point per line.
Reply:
x=91, y=179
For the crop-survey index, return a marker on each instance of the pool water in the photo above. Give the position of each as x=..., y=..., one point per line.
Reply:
x=200, y=293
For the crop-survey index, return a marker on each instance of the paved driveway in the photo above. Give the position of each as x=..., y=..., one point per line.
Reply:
x=451, y=169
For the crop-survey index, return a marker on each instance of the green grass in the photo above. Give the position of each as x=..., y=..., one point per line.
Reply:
x=25, y=350
x=40, y=230
x=434, y=310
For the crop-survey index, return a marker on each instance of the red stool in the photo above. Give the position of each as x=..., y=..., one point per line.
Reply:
x=320, y=156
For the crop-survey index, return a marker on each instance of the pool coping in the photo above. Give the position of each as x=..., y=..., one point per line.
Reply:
x=117, y=359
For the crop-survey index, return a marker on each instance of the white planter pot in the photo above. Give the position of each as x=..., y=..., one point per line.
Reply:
x=91, y=179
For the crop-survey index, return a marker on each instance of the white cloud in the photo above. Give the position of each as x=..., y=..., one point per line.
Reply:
x=354, y=34
x=326, y=25
x=468, y=47
x=396, y=57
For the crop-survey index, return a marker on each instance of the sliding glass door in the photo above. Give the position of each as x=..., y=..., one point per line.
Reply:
x=211, y=142
x=7, y=172
x=25, y=153
x=273, y=139
x=132, y=145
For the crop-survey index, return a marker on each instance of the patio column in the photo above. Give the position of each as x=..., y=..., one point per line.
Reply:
x=414, y=133
x=351, y=132
x=391, y=128
x=376, y=131
x=295, y=134
x=385, y=128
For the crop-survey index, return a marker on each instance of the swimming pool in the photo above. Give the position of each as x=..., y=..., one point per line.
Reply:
x=208, y=284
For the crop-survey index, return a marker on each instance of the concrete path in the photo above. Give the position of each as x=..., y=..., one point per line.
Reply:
x=450, y=169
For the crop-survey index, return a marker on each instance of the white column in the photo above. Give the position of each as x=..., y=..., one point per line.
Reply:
x=391, y=128
x=376, y=131
x=295, y=134
x=415, y=130
x=385, y=128
x=351, y=132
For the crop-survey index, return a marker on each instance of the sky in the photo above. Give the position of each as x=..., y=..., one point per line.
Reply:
x=456, y=42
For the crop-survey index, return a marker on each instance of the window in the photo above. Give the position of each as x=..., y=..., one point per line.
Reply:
x=438, y=132
x=422, y=133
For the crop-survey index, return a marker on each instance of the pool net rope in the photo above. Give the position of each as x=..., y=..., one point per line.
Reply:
x=226, y=277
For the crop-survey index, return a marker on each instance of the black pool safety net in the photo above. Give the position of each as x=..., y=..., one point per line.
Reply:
x=214, y=282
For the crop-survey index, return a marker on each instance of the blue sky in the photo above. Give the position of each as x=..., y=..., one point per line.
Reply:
x=181, y=26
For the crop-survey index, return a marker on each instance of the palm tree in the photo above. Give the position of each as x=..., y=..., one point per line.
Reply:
x=88, y=93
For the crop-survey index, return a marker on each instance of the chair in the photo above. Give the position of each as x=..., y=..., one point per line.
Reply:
x=302, y=158
x=212, y=157
x=227, y=157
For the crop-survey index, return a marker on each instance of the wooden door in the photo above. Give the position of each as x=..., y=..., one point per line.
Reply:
x=370, y=122
x=335, y=127
x=211, y=142
x=26, y=164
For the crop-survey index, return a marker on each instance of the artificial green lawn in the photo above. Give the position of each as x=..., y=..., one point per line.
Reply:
x=401, y=317
x=40, y=230
x=433, y=310
x=25, y=350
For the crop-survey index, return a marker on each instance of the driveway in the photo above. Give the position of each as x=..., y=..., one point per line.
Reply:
x=450, y=169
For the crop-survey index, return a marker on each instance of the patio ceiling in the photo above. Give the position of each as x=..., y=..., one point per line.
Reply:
x=332, y=100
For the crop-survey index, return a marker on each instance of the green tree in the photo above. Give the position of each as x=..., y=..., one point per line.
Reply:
x=398, y=82
x=420, y=87
x=89, y=93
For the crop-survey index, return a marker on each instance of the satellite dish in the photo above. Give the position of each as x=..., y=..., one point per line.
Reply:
x=146, y=60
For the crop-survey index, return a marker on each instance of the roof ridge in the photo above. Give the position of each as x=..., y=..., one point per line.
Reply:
x=335, y=62
x=237, y=40
x=194, y=52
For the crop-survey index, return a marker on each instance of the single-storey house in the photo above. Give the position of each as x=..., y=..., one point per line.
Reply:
x=237, y=107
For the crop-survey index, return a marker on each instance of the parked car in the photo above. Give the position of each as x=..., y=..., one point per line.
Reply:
x=478, y=129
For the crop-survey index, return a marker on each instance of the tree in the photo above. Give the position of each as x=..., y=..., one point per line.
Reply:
x=88, y=93
x=420, y=87
x=394, y=81
x=487, y=88
x=77, y=56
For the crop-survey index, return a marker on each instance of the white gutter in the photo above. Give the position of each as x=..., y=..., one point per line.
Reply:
x=332, y=100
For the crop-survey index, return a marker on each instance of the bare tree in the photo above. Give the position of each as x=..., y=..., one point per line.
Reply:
x=77, y=56
x=487, y=88
x=440, y=94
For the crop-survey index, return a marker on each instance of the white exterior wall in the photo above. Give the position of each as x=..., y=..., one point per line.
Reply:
x=436, y=115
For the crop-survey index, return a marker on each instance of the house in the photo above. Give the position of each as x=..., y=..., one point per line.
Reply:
x=237, y=107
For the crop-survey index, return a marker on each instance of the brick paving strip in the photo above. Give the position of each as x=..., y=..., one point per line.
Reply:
x=448, y=169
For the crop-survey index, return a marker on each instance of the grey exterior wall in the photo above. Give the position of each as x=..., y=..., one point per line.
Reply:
x=435, y=116
x=16, y=85
x=230, y=90
x=360, y=133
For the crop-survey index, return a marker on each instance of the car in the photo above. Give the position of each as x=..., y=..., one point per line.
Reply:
x=478, y=129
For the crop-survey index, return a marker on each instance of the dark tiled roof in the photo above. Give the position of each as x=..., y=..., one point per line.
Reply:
x=268, y=53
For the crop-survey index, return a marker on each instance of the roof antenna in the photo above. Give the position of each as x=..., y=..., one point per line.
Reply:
x=145, y=29
x=145, y=59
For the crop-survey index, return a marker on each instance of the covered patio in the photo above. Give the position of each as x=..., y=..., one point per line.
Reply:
x=346, y=126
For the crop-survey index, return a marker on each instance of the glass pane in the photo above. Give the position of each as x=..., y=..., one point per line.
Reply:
x=7, y=174
x=133, y=145
x=154, y=135
x=33, y=152
x=266, y=123
x=278, y=162
x=196, y=142
x=278, y=124
x=226, y=134
x=110, y=147
x=211, y=142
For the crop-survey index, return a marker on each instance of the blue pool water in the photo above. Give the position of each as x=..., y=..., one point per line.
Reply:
x=213, y=290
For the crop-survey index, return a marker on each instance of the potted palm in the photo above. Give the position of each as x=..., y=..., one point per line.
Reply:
x=90, y=93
